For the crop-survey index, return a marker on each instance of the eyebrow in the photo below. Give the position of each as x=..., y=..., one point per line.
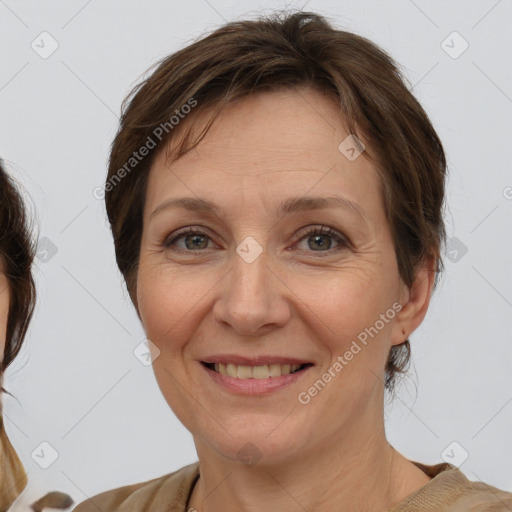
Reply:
x=288, y=206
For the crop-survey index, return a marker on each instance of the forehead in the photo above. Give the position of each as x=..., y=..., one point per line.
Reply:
x=255, y=129
x=288, y=139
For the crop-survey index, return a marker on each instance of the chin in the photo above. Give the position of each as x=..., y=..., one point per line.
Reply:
x=252, y=440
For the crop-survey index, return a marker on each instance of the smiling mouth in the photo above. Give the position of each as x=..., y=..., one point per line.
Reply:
x=255, y=372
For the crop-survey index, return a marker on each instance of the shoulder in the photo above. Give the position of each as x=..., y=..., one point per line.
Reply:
x=482, y=497
x=449, y=490
x=150, y=496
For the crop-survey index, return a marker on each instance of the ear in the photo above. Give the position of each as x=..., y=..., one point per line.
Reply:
x=414, y=301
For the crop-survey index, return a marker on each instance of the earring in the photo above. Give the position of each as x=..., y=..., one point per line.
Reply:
x=403, y=332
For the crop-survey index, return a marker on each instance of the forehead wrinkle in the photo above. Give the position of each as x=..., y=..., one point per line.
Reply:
x=306, y=203
x=287, y=207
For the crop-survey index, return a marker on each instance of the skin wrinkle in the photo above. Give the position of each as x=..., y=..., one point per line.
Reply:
x=330, y=454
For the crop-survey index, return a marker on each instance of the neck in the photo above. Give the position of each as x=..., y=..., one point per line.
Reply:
x=358, y=471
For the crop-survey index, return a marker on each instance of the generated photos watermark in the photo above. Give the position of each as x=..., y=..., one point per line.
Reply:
x=151, y=142
x=304, y=397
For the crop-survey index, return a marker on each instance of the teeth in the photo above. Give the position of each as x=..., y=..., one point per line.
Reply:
x=244, y=372
x=274, y=370
x=260, y=372
x=255, y=372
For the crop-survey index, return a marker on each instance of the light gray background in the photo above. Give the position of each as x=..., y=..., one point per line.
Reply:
x=78, y=385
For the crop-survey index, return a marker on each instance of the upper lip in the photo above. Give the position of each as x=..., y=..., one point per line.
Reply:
x=253, y=361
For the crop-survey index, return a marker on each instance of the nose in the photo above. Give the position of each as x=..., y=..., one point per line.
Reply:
x=253, y=300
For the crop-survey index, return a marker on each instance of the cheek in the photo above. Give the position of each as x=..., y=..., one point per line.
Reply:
x=167, y=306
x=352, y=313
x=347, y=299
x=166, y=302
x=156, y=308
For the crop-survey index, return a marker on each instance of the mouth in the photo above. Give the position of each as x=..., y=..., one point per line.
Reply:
x=265, y=371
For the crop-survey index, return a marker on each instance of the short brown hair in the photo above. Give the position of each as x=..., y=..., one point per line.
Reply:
x=287, y=50
x=17, y=254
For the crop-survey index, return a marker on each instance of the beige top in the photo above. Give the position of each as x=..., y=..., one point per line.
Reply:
x=448, y=491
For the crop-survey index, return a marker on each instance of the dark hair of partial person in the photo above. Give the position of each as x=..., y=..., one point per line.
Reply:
x=17, y=254
x=17, y=251
x=288, y=50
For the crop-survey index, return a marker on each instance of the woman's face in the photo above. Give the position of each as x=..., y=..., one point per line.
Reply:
x=4, y=309
x=252, y=288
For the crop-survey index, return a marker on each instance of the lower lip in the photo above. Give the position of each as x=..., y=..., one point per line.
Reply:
x=254, y=386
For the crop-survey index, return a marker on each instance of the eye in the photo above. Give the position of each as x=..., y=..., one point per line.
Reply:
x=193, y=240
x=320, y=239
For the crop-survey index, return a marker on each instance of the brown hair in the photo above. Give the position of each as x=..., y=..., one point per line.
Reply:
x=17, y=254
x=287, y=51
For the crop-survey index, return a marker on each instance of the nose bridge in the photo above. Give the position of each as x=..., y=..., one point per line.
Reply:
x=249, y=297
x=250, y=269
x=249, y=284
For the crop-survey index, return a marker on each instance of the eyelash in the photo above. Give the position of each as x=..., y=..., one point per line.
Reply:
x=315, y=230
